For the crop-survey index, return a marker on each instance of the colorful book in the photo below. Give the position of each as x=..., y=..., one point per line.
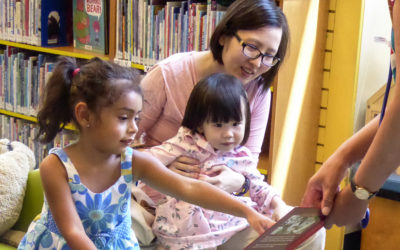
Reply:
x=90, y=25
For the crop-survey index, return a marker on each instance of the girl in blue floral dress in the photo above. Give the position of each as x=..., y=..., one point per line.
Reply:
x=87, y=184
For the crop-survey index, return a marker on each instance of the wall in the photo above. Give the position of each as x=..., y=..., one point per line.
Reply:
x=341, y=72
x=298, y=99
x=316, y=93
x=374, y=57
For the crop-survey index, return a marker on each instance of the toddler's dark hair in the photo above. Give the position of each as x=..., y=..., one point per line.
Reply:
x=91, y=83
x=217, y=98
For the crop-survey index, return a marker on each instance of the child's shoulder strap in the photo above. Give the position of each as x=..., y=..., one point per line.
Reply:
x=126, y=164
x=66, y=162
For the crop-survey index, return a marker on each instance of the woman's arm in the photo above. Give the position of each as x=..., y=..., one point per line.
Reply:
x=260, y=109
x=383, y=155
x=151, y=171
x=58, y=196
x=154, y=100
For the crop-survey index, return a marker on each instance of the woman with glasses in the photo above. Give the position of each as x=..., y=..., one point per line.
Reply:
x=250, y=43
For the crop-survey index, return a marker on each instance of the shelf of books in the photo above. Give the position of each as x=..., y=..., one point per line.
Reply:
x=23, y=74
x=61, y=51
x=149, y=31
x=16, y=127
x=32, y=34
x=134, y=33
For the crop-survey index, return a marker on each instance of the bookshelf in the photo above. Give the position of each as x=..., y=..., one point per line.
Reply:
x=18, y=122
x=29, y=118
x=61, y=51
x=138, y=53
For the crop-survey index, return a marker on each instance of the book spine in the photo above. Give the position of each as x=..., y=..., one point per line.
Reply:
x=1, y=80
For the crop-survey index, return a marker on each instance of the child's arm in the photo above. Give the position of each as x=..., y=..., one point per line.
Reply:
x=58, y=195
x=151, y=171
x=280, y=208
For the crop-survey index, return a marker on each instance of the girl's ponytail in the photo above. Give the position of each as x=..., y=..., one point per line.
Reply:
x=55, y=111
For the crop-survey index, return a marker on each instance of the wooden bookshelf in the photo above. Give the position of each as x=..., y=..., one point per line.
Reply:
x=28, y=118
x=62, y=51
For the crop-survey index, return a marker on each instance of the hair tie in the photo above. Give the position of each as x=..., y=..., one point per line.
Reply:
x=75, y=72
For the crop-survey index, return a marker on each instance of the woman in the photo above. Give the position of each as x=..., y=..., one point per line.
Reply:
x=250, y=42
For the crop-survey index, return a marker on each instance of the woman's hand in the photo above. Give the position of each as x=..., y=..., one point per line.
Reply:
x=224, y=178
x=323, y=186
x=186, y=166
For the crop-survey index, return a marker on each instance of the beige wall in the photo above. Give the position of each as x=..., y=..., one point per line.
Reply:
x=374, y=57
x=299, y=98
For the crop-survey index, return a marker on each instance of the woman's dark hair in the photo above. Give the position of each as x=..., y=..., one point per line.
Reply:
x=217, y=98
x=91, y=83
x=252, y=15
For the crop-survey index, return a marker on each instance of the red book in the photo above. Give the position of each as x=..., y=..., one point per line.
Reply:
x=290, y=231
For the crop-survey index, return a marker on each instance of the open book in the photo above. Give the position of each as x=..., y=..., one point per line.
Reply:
x=290, y=231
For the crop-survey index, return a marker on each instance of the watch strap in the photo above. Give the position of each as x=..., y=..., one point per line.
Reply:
x=245, y=187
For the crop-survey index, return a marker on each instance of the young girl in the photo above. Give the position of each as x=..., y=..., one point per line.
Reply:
x=87, y=184
x=215, y=126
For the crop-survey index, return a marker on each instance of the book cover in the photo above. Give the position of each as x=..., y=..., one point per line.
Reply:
x=290, y=231
x=55, y=22
x=90, y=24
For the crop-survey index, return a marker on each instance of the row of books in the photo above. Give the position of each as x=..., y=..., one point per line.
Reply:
x=151, y=30
x=23, y=131
x=56, y=23
x=23, y=75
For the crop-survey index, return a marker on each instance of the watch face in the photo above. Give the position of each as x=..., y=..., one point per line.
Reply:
x=361, y=194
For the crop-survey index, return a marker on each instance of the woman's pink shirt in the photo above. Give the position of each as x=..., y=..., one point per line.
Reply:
x=166, y=89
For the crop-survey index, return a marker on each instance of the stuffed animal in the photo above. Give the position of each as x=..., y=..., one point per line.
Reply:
x=16, y=160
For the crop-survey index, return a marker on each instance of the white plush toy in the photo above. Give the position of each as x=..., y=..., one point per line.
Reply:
x=16, y=160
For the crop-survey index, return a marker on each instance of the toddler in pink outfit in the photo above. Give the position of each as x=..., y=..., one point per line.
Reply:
x=215, y=125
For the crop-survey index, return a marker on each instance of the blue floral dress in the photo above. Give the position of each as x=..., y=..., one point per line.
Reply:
x=105, y=216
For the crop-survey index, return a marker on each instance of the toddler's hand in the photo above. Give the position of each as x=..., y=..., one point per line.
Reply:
x=259, y=222
x=281, y=210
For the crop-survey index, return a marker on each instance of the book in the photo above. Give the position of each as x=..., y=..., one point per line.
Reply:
x=90, y=25
x=290, y=231
x=55, y=22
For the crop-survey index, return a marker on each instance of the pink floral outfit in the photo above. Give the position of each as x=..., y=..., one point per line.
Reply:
x=180, y=225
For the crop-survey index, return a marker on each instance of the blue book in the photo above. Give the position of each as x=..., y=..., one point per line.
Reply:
x=55, y=23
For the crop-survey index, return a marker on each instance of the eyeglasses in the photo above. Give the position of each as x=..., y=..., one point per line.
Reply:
x=253, y=52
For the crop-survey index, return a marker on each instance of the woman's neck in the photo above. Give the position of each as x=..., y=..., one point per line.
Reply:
x=206, y=64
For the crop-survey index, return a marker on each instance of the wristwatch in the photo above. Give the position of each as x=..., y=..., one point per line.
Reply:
x=360, y=192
